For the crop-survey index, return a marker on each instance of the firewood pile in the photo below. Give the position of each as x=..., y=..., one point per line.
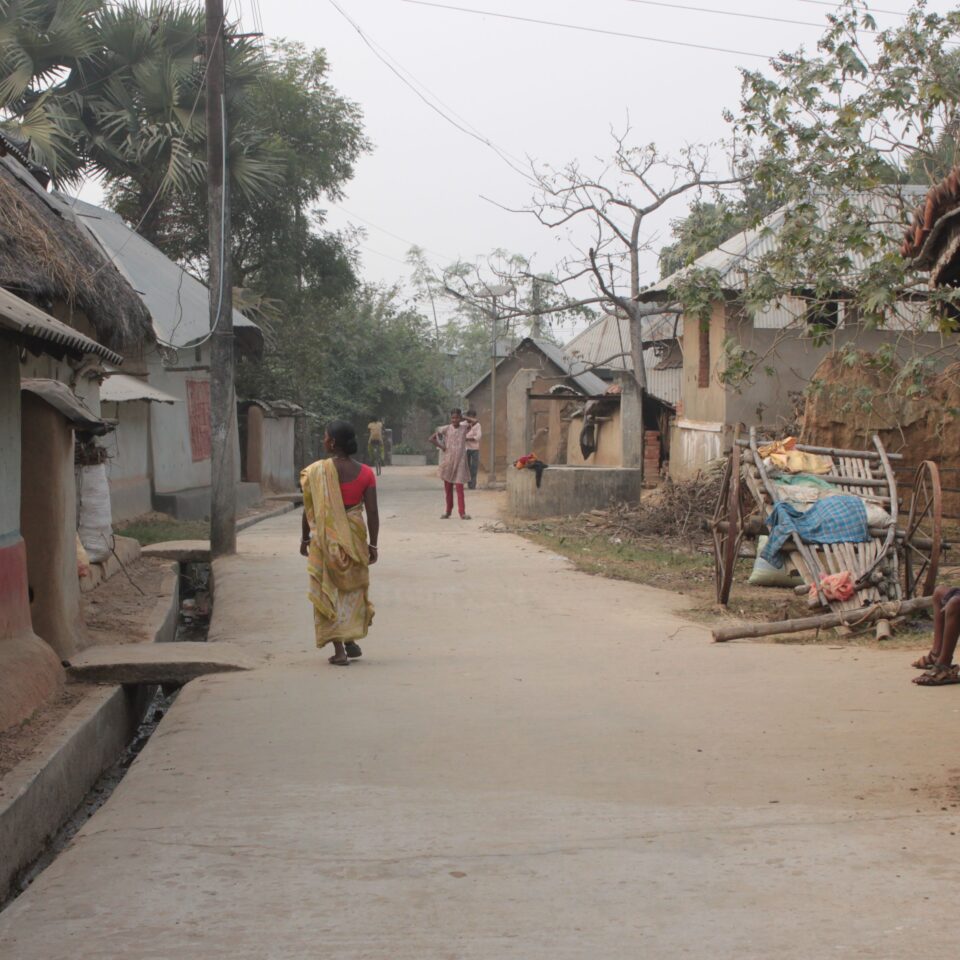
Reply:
x=675, y=511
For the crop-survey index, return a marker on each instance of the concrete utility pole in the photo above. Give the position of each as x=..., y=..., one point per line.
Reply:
x=492, y=472
x=492, y=293
x=223, y=492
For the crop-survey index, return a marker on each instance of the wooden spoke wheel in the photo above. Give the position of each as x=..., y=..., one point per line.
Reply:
x=727, y=526
x=923, y=537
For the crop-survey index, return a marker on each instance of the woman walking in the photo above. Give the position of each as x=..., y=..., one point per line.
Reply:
x=334, y=540
x=451, y=440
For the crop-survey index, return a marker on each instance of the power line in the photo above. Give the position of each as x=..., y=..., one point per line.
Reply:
x=486, y=141
x=396, y=236
x=733, y=13
x=439, y=100
x=836, y=6
x=598, y=30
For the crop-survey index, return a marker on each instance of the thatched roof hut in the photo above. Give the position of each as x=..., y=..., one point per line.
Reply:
x=46, y=257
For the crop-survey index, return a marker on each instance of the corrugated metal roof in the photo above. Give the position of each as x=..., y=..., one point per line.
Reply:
x=589, y=383
x=119, y=388
x=732, y=259
x=586, y=380
x=606, y=343
x=178, y=302
x=66, y=402
x=29, y=322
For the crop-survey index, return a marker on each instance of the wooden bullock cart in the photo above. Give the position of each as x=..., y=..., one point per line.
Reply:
x=897, y=564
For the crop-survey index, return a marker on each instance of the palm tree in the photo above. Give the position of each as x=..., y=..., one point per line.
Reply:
x=118, y=92
x=143, y=110
x=43, y=44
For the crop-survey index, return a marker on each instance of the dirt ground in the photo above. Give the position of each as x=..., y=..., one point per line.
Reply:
x=686, y=569
x=19, y=742
x=120, y=610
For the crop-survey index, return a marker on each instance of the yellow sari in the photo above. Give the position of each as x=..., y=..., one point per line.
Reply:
x=338, y=560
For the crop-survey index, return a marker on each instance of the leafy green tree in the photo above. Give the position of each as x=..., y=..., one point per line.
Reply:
x=368, y=354
x=313, y=136
x=827, y=130
x=708, y=224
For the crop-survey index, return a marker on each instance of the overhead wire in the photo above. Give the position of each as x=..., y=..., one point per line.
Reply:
x=396, y=236
x=596, y=30
x=732, y=13
x=439, y=100
x=836, y=6
x=486, y=141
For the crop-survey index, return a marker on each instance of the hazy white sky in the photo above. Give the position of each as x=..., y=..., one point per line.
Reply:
x=534, y=90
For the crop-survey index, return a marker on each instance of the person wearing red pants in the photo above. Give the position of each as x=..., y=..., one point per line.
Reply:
x=451, y=440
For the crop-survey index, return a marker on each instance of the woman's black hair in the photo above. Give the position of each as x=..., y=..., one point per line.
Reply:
x=457, y=411
x=343, y=435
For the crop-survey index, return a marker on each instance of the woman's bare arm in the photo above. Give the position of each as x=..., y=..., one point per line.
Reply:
x=373, y=520
x=304, y=534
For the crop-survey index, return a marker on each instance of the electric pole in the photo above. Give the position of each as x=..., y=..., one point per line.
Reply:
x=223, y=482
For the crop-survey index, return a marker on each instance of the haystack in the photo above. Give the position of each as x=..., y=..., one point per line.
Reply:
x=45, y=257
x=851, y=400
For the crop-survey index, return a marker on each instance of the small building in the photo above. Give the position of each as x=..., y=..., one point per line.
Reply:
x=605, y=346
x=271, y=432
x=709, y=409
x=39, y=590
x=178, y=365
x=557, y=374
x=53, y=279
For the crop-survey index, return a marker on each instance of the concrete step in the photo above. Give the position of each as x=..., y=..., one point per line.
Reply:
x=184, y=551
x=170, y=663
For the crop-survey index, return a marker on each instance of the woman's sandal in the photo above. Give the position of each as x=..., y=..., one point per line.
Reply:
x=338, y=661
x=939, y=676
x=352, y=649
x=925, y=662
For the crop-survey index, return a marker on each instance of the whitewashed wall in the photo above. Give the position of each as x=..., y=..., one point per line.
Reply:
x=128, y=469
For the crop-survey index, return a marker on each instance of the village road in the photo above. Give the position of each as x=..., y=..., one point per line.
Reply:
x=528, y=763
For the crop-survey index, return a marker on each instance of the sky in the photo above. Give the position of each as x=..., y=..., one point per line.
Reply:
x=535, y=91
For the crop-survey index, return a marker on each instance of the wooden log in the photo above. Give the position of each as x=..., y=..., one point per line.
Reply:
x=880, y=611
x=884, y=630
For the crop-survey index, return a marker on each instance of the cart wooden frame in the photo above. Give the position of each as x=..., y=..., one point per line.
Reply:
x=896, y=564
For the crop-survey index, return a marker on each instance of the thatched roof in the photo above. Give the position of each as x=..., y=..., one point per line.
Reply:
x=45, y=256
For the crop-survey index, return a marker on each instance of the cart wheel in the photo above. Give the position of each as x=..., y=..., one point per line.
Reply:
x=727, y=526
x=922, y=540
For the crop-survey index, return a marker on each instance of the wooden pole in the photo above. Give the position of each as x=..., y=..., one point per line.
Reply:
x=851, y=618
x=223, y=481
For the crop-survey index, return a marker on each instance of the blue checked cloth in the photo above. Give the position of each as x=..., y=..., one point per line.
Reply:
x=831, y=520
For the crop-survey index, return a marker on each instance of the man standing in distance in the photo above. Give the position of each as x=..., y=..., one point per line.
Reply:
x=375, y=443
x=474, y=435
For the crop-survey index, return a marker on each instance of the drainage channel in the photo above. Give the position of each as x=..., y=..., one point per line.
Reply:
x=196, y=601
x=97, y=796
x=193, y=624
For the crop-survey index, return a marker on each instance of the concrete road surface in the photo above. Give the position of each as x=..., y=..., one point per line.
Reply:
x=528, y=763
